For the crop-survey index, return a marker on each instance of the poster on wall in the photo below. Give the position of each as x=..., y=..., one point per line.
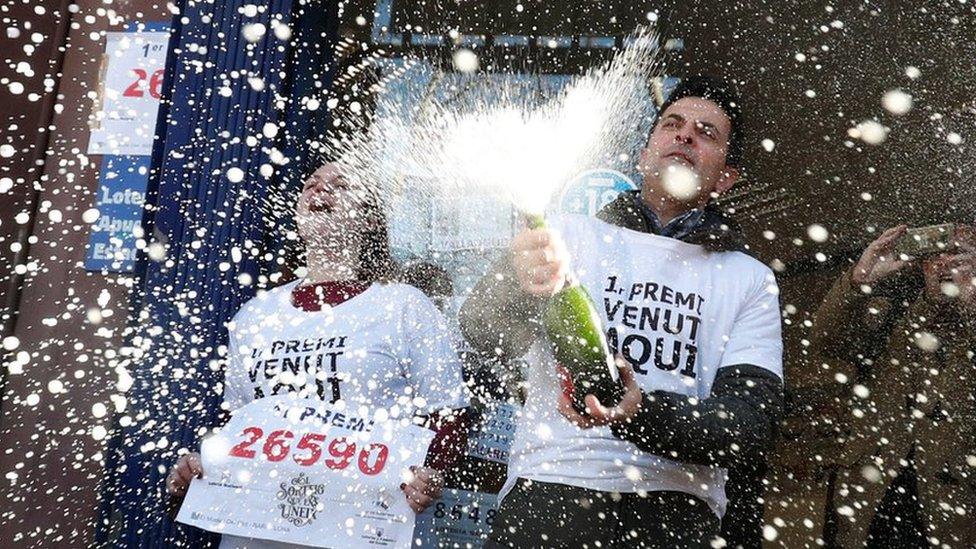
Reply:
x=124, y=124
x=131, y=81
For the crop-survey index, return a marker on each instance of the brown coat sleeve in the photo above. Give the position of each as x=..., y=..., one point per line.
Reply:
x=499, y=318
x=851, y=325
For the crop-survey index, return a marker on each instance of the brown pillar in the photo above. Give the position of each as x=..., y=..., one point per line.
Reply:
x=60, y=376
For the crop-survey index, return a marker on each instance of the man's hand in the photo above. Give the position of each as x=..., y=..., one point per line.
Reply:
x=541, y=261
x=596, y=413
x=187, y=468
x=949, y=277
x=423, y=488
x=879, y=260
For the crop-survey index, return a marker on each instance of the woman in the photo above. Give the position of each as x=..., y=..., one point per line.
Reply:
x=346, y=331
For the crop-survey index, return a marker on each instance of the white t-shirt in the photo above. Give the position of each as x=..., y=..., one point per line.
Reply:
x=678, y=313
x=388, y=347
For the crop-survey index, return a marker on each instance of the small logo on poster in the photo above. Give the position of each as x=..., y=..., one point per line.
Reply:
x=385, y=500
x=300, y=500
x=377, y=537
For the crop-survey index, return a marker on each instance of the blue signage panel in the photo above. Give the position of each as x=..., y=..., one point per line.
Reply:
x=458, y=519
x=492, y=437
x=119, y=201
x=132, y=80
x=592, y=190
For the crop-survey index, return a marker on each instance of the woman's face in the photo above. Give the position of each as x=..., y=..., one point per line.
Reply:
x=331, y=210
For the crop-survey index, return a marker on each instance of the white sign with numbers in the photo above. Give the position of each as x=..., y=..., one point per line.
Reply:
x=129, y=91
x=302, y=471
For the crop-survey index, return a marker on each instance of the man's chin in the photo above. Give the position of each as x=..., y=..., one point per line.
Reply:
x=682, y=184
x=316, y=229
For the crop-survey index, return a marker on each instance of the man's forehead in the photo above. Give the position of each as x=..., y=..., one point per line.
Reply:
x=699, y=109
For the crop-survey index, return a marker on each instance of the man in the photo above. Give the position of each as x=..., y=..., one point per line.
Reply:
x=698, y=322
x=907, y=330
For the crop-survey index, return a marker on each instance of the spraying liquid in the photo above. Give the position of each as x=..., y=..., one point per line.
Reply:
x=522, y=153
x=510, y=147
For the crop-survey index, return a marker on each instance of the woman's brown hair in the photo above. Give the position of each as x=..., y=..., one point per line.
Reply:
x=376, y=262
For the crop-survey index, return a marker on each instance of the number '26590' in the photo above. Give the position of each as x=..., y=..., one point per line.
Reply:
x=309, y=450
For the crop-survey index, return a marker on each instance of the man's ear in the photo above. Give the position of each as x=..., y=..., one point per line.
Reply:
x=730, y=175
x=643, y=157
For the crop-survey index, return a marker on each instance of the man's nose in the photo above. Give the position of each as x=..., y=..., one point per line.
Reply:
x=684, y=136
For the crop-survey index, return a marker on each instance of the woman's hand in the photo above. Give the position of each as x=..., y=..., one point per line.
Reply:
x=187, y=468
x=423, y=488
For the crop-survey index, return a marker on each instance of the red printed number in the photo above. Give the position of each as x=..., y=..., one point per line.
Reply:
x=276, y=447
x=342, y=452
x=155, y=84
x=243, y=450
x=310, y=442
x=380, y=451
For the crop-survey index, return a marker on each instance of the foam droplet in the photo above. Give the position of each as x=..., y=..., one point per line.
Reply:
x=680, y=182
x=896, y=101
x=871, y=473
x=235, y=175
x=818, y=233
x=10, y=343
x=927, y=342
x=254, y=32
x=871, y=132
x=465, y=60
x=91, y=215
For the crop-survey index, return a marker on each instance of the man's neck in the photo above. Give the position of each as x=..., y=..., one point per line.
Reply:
x=664, y=208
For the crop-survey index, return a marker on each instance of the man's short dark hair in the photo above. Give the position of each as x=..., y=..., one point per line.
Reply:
x=724, y=94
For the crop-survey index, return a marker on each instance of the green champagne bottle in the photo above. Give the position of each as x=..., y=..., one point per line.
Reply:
x=579, y=343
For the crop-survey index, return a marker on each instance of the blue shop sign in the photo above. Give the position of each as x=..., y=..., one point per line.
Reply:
x=592, y=190
x=119, y=201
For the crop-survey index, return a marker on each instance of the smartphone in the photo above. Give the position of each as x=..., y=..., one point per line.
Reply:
x=925, y=241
